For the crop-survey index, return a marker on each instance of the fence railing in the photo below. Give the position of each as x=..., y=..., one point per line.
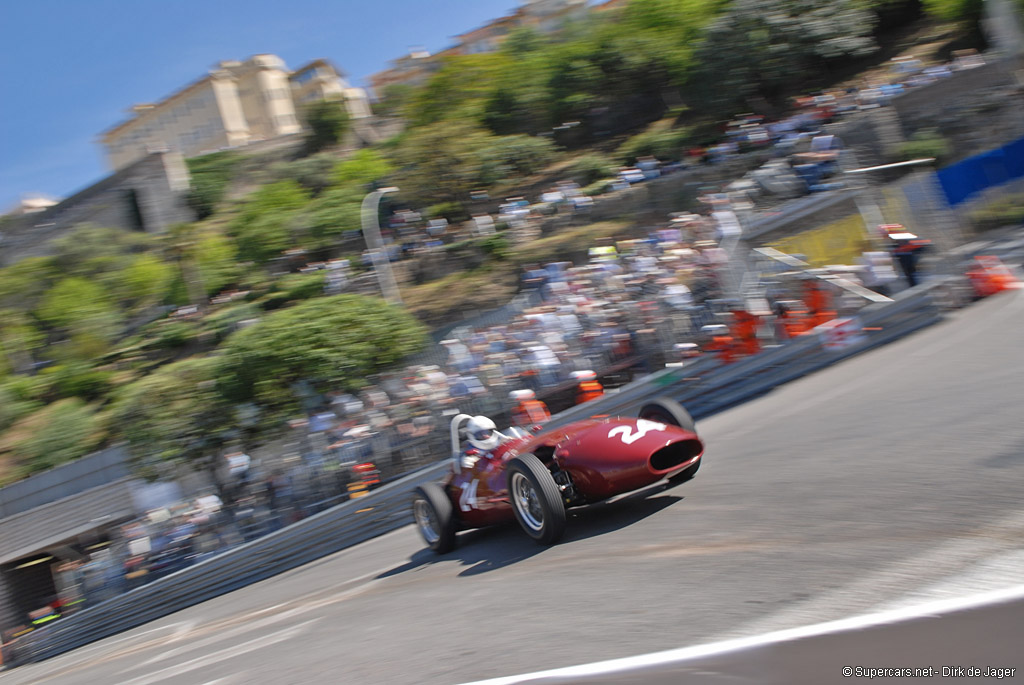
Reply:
x=704, y=386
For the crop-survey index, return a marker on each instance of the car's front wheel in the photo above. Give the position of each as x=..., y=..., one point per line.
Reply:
x=666, y=410
x=435, y=517
x=536, y=499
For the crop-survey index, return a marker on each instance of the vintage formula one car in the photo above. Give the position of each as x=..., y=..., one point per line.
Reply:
x=534, y=476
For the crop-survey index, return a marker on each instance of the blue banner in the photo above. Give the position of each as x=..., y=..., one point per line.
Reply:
x=967, y=178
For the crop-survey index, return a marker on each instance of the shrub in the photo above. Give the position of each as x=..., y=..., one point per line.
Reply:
x=210, y=176
x=452, y=211
x=171, y=335
x=599, y=187
x=668, y=146
x=590, y=168
x=1006, y=211
x=295, y=287
x=63, y=431
x=79, y=379
x=496, y=246
x=923, y=144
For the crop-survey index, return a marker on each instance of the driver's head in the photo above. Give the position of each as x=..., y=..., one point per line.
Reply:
x=482, y=433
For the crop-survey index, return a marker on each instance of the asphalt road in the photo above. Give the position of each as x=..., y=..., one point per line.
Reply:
x=892, y=478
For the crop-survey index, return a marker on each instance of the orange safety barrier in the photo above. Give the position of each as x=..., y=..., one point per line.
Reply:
x=744, y=328
x=530, y=412
x=588, y=390
x=819, y=303
x=724, y=345
x=989, y=276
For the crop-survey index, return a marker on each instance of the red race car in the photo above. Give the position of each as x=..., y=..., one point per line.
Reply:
x=533, y=477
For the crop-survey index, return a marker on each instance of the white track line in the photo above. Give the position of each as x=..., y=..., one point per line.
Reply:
x=672, y=656
x=222, y=655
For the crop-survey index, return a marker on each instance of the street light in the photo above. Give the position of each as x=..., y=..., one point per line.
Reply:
x=371, y=232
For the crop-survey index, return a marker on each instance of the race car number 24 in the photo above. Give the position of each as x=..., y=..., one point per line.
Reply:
x=643, y=427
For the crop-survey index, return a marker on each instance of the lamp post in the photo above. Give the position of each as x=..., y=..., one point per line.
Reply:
x=371, y=232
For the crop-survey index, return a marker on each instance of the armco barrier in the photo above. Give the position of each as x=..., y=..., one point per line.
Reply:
x=705, y=386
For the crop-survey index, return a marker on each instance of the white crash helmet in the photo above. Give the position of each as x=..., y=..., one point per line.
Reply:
x=482, y=434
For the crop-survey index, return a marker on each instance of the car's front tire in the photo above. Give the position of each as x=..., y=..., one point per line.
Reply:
x=435, y=517
x=665, y=410
x=536, y=499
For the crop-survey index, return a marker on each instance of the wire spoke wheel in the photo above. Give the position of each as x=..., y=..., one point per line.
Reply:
x=527, y=503
x=434, y=515
x=536, y=499
x=426, y=519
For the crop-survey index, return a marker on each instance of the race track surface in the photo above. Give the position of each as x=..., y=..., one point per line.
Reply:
x=890, y=479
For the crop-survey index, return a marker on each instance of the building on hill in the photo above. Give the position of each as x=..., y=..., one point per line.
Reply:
x=543, y=16
x=30, y=204
x=321, y=80
x=410, y=70
x=236, y=103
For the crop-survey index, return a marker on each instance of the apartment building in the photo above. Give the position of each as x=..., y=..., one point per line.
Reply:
x=236, y=103
x=544, y=16
x=412, y=69
x=321, y=80
x=264, y=91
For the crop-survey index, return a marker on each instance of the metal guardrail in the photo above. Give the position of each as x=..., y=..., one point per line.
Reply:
x=704, y=386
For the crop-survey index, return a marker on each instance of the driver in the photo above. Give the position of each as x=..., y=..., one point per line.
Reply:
x=482, y=437
x=482, y=434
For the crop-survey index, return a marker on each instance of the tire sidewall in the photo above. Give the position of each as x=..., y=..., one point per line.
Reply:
x=436, y=498
x=669, y=411
x=548, y=495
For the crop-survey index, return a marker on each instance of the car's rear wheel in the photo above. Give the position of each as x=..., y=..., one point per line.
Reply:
x=435, y=517
x=536, y=499
x=665, y=410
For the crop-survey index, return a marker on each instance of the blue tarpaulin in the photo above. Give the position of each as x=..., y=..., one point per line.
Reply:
x=963, y=180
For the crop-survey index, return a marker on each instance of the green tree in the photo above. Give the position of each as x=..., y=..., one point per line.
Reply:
x=58, y=433
x=329, y=343
x=441, y=162
x=590, y=168
x=313, y=173
x=328, y=122
x=14, y=403
x=176, y=415
x=762, y=49
x=265, y=226
x=210, y=176
x=19, y=338
x=145, y=280
x=393, y=100
x=215, y=260
x=82, y=309
x=967, y=11
x=23, y=284
x=365, y=166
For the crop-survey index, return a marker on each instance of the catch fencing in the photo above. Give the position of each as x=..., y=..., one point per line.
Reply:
x=705, y=386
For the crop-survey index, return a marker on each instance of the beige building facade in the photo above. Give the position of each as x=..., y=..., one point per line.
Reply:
x=236, y=103
x=320, y=80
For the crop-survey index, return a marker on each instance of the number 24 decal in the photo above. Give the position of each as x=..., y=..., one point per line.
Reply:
x=468, y=499
x=643, y=427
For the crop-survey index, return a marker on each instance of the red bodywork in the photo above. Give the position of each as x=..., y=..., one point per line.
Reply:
x=602, y=458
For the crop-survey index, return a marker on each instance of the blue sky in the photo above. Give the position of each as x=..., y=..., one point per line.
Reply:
x=72, y=67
